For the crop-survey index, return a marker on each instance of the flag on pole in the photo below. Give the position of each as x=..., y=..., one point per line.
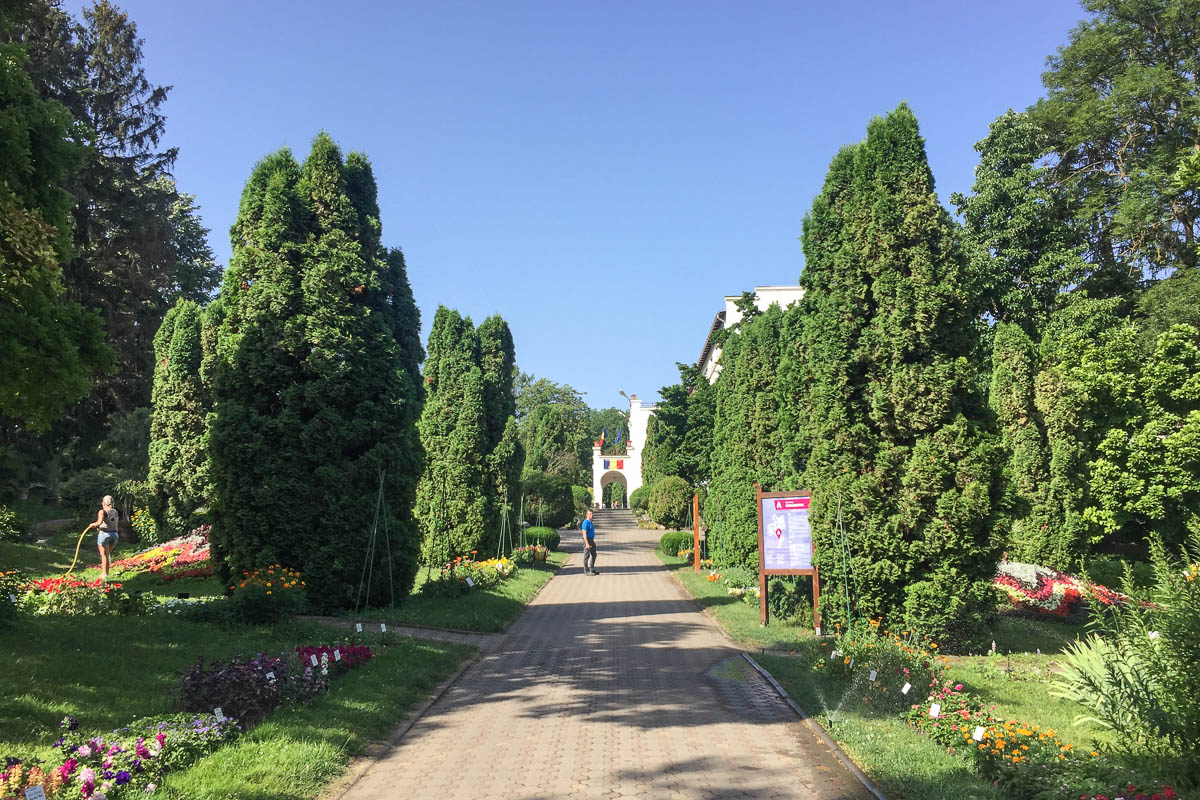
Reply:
x=603, y=432
x=620, y=434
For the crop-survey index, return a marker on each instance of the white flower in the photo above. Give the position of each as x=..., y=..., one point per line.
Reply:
x=1155, y=634
x=150, y=787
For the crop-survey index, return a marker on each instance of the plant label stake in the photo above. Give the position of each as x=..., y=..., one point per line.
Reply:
x=904, y=689
x=852, y=663
x=35, y=793
x=383, y=627
x=872, y=676
x=470, y=583
x=337, y=655
x=358, y=627
x=12, y=598
x=271, y=677
x=313, y=657
x=835, y=653
x=935, y=709
x=219, y=714
x=978, y=735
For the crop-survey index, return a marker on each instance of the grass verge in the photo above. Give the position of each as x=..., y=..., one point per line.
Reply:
x=487, y=611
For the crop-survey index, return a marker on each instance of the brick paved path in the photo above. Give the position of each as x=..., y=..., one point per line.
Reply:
x=609, y=686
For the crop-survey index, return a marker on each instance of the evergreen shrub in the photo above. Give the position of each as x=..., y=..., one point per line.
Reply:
x=672, y=542
x=550, y=496
x=583, y=500
x=639, y=499
x=12, y=527
x=81, y=493
x=548, y=537
x=671, y=502
x=952, y=611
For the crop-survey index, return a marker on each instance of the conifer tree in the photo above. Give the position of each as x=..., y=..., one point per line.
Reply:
x=455, y=488
x=179, y=474
x=746, y=440
x=888, y=411
x=498, y=361
x=312, y=384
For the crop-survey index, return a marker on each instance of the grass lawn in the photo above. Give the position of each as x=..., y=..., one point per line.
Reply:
x=738, y=619
x=905, y=764
x=107, y=671
x=487, y=611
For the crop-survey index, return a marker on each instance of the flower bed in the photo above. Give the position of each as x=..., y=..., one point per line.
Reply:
x=1043, y=591
x=72, y=596
x=464, y=574
x=129, y=762
x=182, y=557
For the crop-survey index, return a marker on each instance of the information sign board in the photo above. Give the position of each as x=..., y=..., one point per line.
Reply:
x=785, y=545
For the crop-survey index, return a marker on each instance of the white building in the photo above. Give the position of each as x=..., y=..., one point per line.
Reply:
x=626, y=469
x=710, y=356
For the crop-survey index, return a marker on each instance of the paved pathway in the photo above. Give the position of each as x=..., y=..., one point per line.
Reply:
x=609, y=686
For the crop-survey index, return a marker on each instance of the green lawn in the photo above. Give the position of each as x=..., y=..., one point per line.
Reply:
x=737, y=618
x=905, y=764
x=487, y=611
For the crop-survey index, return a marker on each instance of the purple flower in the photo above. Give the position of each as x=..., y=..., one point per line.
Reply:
x=123, y=778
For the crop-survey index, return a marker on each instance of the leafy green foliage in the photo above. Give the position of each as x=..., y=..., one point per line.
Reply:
x=671, y=502
x=543, y=536
x=553, y=421
x=877, y=374
x=12, y=528
x=672, y=542
x=639, y=498
x=312, y=381
x=746, y=438
x=548, y=500
x=1136, y=675
x=679, y=434
x=583, y=500
x=614, y=423
x=614, y=493
x=82, y=492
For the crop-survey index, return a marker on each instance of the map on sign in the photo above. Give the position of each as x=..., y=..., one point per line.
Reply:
x=787, y=538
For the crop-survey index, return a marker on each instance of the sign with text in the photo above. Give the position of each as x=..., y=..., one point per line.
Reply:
x=787, y=538
x=785, y=545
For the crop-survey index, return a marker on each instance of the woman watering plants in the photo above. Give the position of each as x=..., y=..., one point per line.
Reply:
x=106, y=521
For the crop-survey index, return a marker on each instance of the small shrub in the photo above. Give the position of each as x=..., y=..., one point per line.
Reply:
x=524, y=556
x=266, y=596
x=81, y=493
x=895, y=658
x=582, y=497
x=12, y=527
x=12, y=585
x=639, y=499
x=144, y=526
x=71, y=596
x=543, y=536
x=243, y=690
x=790, y=598
x=950, y=610
x=672, y=542
x=671, y=502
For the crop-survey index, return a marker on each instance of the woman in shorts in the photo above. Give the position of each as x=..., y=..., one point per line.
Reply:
x=106, y=522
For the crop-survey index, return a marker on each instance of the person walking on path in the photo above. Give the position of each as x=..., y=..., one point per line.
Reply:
x=106, y=521
x=589, y=545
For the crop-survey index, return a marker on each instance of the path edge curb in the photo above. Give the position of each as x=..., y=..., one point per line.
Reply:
x=820, y=732
x=362, y=763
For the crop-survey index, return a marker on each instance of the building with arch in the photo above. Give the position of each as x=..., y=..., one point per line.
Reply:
x=625, y=469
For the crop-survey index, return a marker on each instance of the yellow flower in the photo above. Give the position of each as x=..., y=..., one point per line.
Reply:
x=268, y=591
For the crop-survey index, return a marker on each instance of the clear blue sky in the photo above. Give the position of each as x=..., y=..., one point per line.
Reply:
x=600, y=173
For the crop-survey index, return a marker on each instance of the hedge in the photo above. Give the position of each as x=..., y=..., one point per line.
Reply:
x=543, y=535
x=639, y=499
x=672, y=542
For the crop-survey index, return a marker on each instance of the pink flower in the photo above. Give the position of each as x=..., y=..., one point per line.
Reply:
x=87, y=775
x=84, y=751
x=150, y=787
x=958, y=687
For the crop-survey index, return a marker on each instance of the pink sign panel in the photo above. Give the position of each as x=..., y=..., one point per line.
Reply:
x=787, y=538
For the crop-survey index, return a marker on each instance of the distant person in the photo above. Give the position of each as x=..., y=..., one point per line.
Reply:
x=589, y=545
x=106, y=520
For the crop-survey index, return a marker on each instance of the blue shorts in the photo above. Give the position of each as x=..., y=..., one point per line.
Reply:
x=107, y=538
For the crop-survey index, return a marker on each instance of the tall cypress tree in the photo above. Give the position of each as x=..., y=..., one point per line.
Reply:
x=312, y=382
x=506, y=457
x=453, y=493
x=745, y=439
x=889, y=411
x=179, y=475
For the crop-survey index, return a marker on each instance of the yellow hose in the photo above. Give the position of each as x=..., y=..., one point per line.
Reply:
x=78, y=544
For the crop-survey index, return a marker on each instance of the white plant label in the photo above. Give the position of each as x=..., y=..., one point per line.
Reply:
x=818, y=631
x=337, y=655
x=978, y=735
x=358, y=627
x=324, y=670
x=219, y=714
x=313, y=658
x=872, y=676
x=852, y=663
x=470, y=583
x=382, y=627
x=935, y=709
x=904, y=689
x=13, y=599
x=835, y=654
x=35, y=793
x=271, y=677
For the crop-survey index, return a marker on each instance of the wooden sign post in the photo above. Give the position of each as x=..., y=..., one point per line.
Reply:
x=696, y=531
x=785, y=545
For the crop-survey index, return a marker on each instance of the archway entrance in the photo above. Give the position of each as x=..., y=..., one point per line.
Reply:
x=626, y=468
x=614, y=490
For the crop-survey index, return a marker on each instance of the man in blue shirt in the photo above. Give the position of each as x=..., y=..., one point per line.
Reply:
x=589, y=545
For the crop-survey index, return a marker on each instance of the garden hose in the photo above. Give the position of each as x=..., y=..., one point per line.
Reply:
x=78, y=544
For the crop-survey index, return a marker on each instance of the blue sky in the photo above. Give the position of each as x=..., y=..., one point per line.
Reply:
x=599, y=173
